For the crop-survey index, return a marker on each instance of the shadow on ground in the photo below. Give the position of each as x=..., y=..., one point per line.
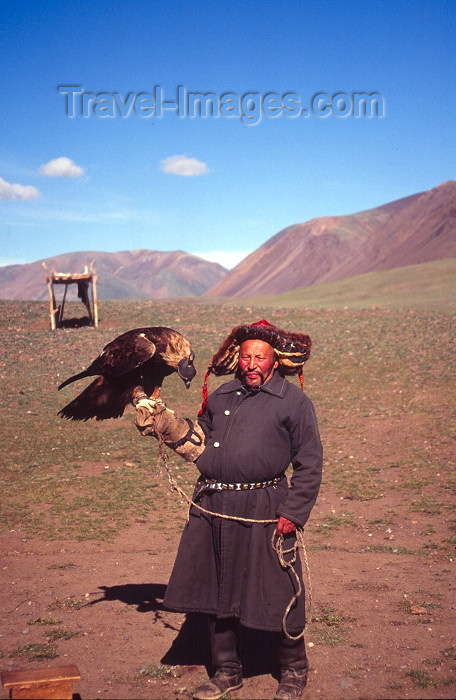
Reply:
x=191, y=645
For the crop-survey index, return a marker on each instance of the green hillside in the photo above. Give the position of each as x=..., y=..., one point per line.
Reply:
x=428, y=286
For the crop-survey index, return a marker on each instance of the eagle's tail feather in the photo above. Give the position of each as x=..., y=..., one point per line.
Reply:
x=99, y=400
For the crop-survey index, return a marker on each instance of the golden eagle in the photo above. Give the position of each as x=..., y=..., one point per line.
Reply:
x=142, y=357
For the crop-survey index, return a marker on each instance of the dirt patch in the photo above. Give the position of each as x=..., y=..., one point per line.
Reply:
x=89, y=529
x=365, y=641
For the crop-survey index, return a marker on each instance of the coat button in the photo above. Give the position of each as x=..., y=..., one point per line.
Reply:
x=227, y=413
x=216, y=444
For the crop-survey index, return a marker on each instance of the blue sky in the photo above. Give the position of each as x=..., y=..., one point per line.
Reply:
x=218, y=186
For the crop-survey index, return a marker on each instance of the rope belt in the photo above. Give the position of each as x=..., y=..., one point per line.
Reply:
x=214, y=485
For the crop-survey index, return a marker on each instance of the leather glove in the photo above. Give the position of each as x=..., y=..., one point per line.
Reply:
x=284, y=526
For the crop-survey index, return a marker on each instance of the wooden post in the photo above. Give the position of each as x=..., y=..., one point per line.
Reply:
x=95, y=300
x=94, y=293
x=42, y=683
x=52, y=308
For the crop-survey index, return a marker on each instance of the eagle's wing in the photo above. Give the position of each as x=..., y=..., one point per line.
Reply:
x=123, y=354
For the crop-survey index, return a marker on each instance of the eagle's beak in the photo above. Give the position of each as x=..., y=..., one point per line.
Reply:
x=186, y=370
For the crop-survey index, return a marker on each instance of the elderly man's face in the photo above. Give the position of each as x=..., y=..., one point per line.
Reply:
x=257, y=362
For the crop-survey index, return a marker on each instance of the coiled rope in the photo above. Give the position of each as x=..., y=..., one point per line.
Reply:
x=277, y=543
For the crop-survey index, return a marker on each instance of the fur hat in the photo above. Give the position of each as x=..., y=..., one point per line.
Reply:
x=292, y=350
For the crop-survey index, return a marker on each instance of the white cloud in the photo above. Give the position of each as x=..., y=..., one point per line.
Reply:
x=183, y=165
x=61, y=167
x=19, y=193
x=227, y=258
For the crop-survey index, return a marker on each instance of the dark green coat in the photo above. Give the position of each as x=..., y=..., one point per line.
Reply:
x=228, y=568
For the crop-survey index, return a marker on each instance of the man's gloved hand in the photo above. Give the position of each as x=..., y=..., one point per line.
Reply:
x=284, y=526
x=180, y=434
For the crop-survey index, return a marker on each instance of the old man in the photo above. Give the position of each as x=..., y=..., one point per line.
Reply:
x=250, y=430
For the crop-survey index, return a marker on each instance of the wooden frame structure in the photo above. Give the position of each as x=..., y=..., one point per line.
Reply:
x=84, y=280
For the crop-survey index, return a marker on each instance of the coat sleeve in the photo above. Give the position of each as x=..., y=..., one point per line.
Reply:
x=306, y=460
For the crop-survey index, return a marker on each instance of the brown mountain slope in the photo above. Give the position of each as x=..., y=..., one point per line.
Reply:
x=415, y=229
x=421, y=232
x=138, y=274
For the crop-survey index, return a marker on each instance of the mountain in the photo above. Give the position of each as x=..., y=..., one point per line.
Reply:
x=138, y=274
x=416, y=229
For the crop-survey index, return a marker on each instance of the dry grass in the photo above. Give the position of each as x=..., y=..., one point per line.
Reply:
x=372, y=375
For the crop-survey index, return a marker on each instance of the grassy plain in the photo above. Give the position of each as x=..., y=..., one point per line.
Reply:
x=382, y=381
x=366, y=366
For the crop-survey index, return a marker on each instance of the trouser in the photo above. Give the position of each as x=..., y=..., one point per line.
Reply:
x=291, y=653
x=224, y=633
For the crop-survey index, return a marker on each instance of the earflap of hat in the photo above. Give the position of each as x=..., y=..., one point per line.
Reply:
x=225, y=360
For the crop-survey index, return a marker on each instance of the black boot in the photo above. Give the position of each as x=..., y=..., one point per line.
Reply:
x=293, y=668
x=225, y=659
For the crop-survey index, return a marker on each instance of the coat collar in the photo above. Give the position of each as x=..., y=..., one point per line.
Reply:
x=275, y=386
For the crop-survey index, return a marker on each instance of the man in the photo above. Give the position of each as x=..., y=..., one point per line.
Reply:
x=252, y=428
